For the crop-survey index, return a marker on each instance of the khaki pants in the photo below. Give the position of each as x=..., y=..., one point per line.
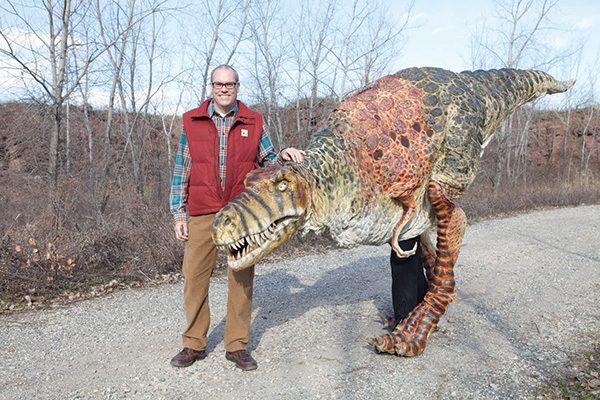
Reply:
x=198, y=263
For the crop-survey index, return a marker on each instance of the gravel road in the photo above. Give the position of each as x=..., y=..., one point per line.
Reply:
x=528, y=295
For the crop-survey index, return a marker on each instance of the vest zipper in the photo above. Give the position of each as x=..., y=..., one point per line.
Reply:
x=216, y=146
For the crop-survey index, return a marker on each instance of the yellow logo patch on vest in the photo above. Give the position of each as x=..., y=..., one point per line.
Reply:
x=244, y=132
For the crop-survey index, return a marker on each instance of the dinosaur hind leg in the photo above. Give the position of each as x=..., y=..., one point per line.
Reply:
x=428, y=255
x=409, y=211
x=409, y=338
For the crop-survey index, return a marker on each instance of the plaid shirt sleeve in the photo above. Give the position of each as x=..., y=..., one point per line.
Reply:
x=266, y=152
x=180, y=180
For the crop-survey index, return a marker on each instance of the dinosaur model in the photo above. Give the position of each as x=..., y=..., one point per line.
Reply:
x=389, y=164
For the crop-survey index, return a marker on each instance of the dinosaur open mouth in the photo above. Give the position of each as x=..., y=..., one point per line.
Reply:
x=253, y=247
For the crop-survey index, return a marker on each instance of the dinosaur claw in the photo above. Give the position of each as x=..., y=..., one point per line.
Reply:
x=387, y=321
x=377, y=342
x=404, y=253
x=382, y=344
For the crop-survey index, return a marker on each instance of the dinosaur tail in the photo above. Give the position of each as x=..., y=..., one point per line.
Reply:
x=506, y=89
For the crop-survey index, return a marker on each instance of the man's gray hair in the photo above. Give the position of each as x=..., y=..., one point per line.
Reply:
x=225, y=66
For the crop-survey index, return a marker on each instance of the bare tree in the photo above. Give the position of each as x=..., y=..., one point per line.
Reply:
x=298, y=63
x=141, y=83
x=517, y=40
x=318, y=39
x=310, y=37
x=218, y=38
x=577, y=117
x=358, y=16
x=369, y=39
x=168, y=120
x=44, y=57
x=593, y=112
x=587, y=151
x=112, y=34
x=383, y=42
x=84, y=93
x=269, y=56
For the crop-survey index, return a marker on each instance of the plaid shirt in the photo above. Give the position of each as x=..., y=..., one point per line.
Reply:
x=183, y=161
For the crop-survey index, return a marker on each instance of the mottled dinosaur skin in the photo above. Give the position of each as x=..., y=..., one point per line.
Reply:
x=389, y=164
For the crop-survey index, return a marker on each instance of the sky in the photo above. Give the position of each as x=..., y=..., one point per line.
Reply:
x=444, y=28
x=441, y=33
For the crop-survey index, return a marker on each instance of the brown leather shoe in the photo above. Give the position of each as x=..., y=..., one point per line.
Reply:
x=242, y=359
x=187, y=357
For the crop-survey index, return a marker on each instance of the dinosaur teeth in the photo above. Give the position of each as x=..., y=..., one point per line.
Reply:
x=244, y=246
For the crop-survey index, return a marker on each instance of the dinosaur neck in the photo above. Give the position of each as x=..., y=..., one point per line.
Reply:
x=331, y=180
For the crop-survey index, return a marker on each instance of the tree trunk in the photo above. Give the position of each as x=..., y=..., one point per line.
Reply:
x=53, y=149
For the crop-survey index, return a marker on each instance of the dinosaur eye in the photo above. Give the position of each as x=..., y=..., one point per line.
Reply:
x=282, y=186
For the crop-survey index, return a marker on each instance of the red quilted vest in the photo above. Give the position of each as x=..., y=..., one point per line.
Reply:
x=205, y=194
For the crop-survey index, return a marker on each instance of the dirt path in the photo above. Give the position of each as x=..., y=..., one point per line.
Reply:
x=528, y=295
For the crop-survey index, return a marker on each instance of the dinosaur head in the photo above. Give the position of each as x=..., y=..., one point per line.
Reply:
x=264, y=215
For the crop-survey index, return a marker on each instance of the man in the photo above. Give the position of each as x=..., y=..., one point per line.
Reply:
x=222, y=140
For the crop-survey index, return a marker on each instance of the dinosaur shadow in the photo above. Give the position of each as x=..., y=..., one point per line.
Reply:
x=280, y=296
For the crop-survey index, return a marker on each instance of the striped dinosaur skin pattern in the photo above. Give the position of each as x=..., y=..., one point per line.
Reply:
x=388, y=165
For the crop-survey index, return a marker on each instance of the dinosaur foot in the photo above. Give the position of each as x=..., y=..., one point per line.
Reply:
x=392, y=344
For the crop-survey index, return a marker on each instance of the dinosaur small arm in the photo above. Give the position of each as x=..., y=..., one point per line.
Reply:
x=388, y=165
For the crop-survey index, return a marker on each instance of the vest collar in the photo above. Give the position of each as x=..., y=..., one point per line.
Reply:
x=211, y=109
x=207, y=109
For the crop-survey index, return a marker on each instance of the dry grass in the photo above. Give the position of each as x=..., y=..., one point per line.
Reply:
x=581, y=378
x=480, y=201
x=47, y=254
x=133, y=243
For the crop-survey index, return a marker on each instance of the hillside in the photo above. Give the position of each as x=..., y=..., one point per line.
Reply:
x=109, y=224
x=556, y=139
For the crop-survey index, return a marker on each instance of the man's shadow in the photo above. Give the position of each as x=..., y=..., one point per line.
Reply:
x=280, y=296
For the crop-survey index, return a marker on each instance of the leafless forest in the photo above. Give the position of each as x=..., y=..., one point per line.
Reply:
x=94, y=91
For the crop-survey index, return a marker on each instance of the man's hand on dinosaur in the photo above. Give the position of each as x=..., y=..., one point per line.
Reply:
x=292, y=154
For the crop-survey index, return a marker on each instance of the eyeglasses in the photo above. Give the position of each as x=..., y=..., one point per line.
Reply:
x=228, y=85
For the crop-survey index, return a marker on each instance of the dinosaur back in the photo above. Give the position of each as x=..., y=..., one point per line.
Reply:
x=430, y=123
x=393, y=129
